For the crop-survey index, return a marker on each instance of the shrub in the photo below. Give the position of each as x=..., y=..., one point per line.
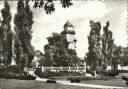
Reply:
x=90, y=72
x=123, y=71
x=110, y=73
x=48, y=73
x=13, y=72
x=83, y=78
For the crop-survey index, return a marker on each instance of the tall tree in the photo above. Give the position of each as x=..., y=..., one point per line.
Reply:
x=6, y=34
x=57, y=52
x=23, y=21
x=107, y=46
x=94, y=38
x=1, y=38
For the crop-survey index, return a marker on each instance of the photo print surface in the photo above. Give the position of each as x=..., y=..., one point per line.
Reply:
x=81, y=43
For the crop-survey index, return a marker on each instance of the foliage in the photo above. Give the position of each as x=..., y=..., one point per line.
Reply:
x=83, y=78
x=94, y=54
x=107, y=46
x=57, y=52
x=48, y=5
x=6, y=35
x=124, y=61
x=100, y=48
x=110, y=73
x=117, y=57
x=120, y=57
x=23, y=48
x=13, y=72
x=48, y=73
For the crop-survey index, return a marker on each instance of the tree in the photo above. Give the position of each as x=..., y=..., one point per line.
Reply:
x=124, y=61
x=6, y=35
x=57, y=52
x=107, y=46
x=120, y=56
x=1, y=38
x=48, y=5
x=23, y=21
x=94, y=38
x=117, y=57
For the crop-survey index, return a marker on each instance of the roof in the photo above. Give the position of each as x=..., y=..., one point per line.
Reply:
x=68, y=24
x=38, y=52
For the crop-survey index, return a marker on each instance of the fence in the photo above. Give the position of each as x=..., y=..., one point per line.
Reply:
x=58, y=72
x=55, y=69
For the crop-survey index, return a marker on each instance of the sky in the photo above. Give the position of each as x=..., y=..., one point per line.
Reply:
x=114, y=11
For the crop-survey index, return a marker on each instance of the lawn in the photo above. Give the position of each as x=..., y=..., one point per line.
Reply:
x=110, y=82
x=33, y=84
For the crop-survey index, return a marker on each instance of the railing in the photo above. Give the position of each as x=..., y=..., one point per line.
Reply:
x=77, y=69
x=60, y=71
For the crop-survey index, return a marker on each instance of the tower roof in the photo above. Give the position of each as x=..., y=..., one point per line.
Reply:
x=68, y=24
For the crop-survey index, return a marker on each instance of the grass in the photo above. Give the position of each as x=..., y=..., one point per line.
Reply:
x=109, y=82
x=33, y=84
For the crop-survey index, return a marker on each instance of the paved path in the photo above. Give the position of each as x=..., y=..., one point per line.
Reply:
x=85, y=85
x=94, y=86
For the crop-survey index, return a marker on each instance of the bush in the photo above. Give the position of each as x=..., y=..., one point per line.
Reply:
x=90, y=72
x=110, y=73
x=48, y=73
x=38, y=72
x=13, y=72
x=123, y=71
x=82, y=78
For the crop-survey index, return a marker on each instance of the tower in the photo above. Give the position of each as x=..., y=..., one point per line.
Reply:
x=69, y=33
